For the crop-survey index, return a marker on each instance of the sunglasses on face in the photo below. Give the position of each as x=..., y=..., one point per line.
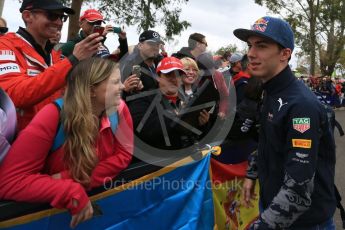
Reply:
x=176, y=74
x=96, y=23
x=205, y=43
x=3, y=30
x=52, y=16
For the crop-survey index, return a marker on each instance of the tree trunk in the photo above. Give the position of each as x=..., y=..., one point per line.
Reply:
x=2, y=2
x=73, y=26
x=335, y=42
x=327, y=59
x=312, y=24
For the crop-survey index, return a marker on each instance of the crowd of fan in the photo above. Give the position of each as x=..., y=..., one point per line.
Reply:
x=67, y=146
x=330, y=91
x=78, y=96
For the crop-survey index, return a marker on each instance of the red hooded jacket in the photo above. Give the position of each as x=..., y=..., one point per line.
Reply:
x=27, y=79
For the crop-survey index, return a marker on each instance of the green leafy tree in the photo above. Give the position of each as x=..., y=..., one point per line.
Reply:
x=331, y=29
x=145, y=14
x=230, y=48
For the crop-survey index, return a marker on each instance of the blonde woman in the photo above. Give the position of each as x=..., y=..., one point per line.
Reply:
x=91, y=151
x=192, y=70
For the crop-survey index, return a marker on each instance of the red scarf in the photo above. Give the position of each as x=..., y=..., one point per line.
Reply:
x=173, y=99
x=240, y=75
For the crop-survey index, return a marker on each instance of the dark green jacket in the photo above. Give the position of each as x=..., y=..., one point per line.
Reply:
x=67, y=48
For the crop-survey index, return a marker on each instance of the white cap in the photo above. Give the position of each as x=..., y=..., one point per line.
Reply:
x=235, y=57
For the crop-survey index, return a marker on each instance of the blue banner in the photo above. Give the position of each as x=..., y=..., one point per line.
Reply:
x=171, y=198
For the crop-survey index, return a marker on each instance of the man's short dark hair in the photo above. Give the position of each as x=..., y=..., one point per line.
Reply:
x=194, y=38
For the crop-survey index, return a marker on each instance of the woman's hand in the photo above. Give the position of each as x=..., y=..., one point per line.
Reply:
x=85, y=214
x=56, y=176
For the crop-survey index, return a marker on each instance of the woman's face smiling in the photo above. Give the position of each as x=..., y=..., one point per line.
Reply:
x=191, y=75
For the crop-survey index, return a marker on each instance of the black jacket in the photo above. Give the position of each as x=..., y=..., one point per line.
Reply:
x=151, y=131
x=296, y=156
x=148, y=74
x=248, y=99
x=184, y=52
x=103, y=52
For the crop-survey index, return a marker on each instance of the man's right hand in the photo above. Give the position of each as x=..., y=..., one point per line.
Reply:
x=123, y=35
x=248, y=192
x=131, y=83
x=87, y=47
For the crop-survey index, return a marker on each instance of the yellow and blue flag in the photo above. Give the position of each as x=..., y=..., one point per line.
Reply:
x=175, y=197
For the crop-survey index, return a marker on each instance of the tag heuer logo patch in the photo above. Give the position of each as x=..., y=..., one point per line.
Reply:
x=301, y=124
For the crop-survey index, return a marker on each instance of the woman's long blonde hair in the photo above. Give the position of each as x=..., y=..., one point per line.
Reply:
x=79, y=123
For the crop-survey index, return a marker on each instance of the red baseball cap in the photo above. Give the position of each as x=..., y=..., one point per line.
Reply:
x=91, y=15
x=170, y=64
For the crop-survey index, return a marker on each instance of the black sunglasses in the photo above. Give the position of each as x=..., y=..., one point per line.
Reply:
x=205, y=43
x=95, y=23
x=51, y=16
x=3, y=30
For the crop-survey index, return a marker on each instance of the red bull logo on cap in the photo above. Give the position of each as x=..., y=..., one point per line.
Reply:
x=260, y=24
